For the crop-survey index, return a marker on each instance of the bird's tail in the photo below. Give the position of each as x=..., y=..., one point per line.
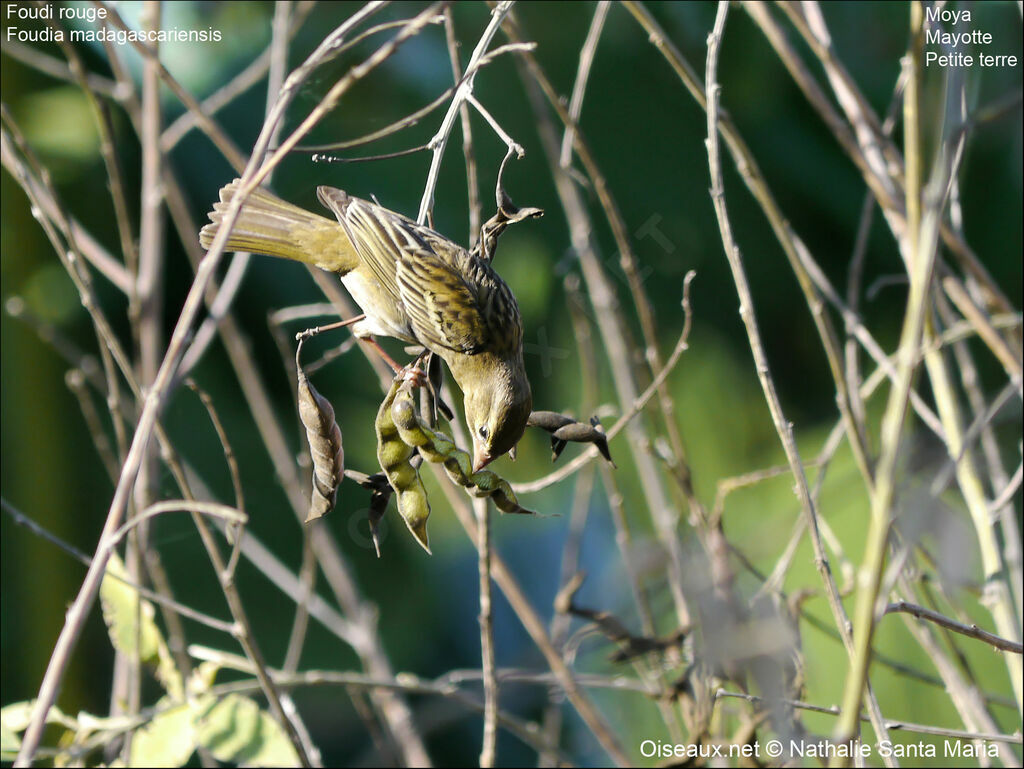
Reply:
x=271, y=226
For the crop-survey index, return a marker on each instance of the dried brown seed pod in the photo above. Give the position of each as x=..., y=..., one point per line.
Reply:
x=325, y=448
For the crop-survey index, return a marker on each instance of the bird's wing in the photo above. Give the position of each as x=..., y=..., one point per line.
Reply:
x=453, y=300
x=442, y=307
x=379, y=236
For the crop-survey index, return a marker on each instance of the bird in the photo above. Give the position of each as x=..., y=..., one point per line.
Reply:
x=413, y=284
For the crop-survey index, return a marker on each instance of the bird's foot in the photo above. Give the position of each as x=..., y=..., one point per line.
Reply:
x=414, y=375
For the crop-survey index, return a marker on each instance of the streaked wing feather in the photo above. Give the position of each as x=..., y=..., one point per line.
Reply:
x=453, y=300
x=378, y=242
x=441, y=306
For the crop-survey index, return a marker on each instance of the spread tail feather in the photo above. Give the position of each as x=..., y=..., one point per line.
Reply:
x=271, y=226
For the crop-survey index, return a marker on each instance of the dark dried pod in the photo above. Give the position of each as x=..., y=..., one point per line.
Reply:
x=325, y=448
x=508, y=213
x=548, y=420
x=378, y=504
x=382, y=491
x=564, y=429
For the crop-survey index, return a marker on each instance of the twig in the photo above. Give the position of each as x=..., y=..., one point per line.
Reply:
x=998, y=479
x=54, y=67
x=1011, y=739
x=472, y=185
x=440, y=139
x=89, y=247
x=146, y=310
x=558, y=628
x=969, y=700
x=76, y=382
x=412, y=118
x=105, y=128
x=981, y=323
x=185, y=611
x=981, y=421
x=638, y=404
x=579, y=87
x=214, y=509
x=971, y=631
x=1008, y=492
x=513, y=146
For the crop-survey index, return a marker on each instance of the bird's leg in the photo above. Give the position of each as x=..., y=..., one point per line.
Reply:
x=380, y=351
x=310, y=332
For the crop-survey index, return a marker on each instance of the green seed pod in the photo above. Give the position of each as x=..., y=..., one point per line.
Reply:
x=394, y=456
x=437, y=447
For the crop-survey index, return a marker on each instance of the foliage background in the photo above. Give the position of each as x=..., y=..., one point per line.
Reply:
x=648, y=136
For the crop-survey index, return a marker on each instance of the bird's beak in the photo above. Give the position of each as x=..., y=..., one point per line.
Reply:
x=512, y=453
x=480, y=459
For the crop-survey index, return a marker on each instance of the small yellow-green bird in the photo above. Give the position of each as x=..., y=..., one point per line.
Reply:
x=413, y=284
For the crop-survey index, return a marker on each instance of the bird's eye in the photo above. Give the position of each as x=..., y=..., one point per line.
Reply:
x=483, y=431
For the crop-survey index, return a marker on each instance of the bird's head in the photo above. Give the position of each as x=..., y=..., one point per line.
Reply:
x=498, y=402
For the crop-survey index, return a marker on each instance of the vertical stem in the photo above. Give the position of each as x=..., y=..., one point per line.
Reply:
x=920, y=250
x=481, y=508
x=146, y=310
x=996, y=595
x=148, y=303
x=472, y=187
x=465, y=89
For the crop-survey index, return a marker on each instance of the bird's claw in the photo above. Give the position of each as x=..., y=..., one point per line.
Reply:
x=413, y=375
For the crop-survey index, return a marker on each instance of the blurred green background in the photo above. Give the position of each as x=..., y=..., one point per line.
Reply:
x=648, y=137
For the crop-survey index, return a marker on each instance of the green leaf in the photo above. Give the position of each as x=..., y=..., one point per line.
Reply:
x=10, y=743
x=168, y=740
x=17, y=715
x=235, y=730
x=122, y=610
x=203, y=676
x=14, y=719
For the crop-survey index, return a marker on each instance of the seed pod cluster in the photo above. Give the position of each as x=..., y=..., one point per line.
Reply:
x=325, y=448
x=437, y=447
x=400, y=434
x=395, y=457
x=563, y=429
